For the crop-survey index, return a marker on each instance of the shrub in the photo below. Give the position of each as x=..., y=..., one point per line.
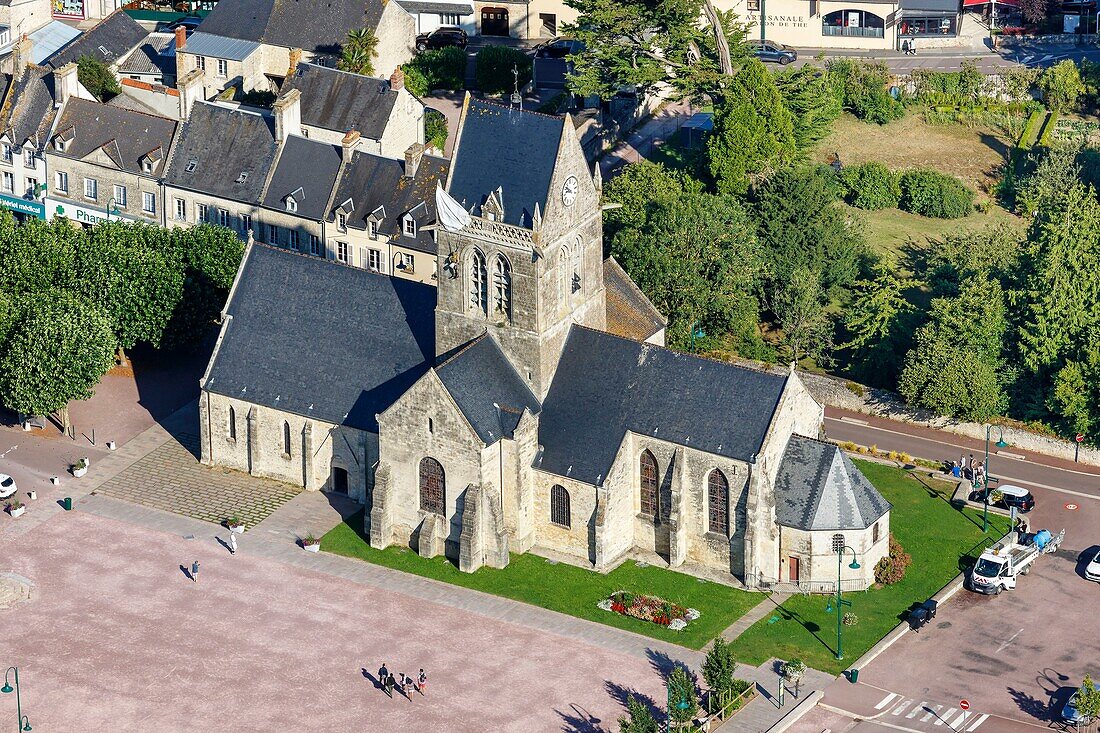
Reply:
x=870, y=186
x=934, y=194
x=850, y=619
x=94, y=76
x=494, y=69
x=891, y=569
x=861, y=85
x=1061, y=85
x=431, y=70
x=855, y=388
x=435, y=128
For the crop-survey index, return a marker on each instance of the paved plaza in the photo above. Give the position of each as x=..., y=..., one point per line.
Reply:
x=116, y=637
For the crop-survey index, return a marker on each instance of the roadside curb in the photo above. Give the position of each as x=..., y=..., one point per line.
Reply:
x=800, y=710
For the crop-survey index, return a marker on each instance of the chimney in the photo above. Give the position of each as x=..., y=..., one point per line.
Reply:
x=65, y=83
x=21, y=56
x=397, y=79
x=191, y=91
x=412, y=159
x=288, y=115
x=350, y=142
x=295, y=58
x=181, y=37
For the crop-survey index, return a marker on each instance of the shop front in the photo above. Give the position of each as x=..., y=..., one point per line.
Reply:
x=818, y=23
x=928, y=19
x=23, y=208
x=82, y=214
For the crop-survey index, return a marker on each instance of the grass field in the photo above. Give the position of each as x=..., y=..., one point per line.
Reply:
x=565, y=588
x=942, y=541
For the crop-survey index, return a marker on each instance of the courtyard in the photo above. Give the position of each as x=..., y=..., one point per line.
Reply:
x=116, y=637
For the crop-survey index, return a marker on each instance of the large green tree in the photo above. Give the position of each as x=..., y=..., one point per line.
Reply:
x=753, y=133
x=638, y=718
x=211, y=256
x=697, y=258
x=813, y=100
x=57, y=352
x=36, y=255
x=799, y=306
x=638, y=188
x=956, y=367
x=879, y=323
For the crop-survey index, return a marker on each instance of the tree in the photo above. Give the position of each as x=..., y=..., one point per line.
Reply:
x=878, y=324
x=681, y=690
x=640, y=187
x=641, y=44
x=801, y=223
x=496, y=69
x=956, y=367
x=358, y=52
x=211, y=257
x=96, y=77
x=813, y=102
x=720, y=667
x=1075, y=393
x=1056, y=173
x=36, y=255
x=989, y=253
x=1088, y=700
x=753, y=131
x=799, y=306
x=1034, y=11
x=1061, y=85
x=57, y=352
x=697, y=258
x=638, y=718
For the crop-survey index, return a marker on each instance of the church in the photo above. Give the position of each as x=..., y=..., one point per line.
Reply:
x=525, y=401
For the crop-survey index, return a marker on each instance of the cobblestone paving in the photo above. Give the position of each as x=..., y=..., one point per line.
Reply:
x=172, y=479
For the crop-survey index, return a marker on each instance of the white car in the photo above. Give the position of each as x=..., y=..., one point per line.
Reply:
x=1092, y=570
x=7, y=486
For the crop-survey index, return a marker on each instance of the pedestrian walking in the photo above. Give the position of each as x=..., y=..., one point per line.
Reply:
x=403, y=684
x=383, y=675
x=912, y=47
x=195, y=571
x=232, y=544
x=421, y=682
x=390, y=684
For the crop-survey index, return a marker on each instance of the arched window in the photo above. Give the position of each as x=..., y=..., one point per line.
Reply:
x=433, y=486
x=559, y=506
x=232, y=424
x=648, y=483
x=502, y=286
x=718, y=502
x=564, y=274
x=857, y=23
x=578, y=267
x=286, y=437
x=479, y=286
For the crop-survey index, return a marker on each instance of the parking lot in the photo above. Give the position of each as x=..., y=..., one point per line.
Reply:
x=1018, y=655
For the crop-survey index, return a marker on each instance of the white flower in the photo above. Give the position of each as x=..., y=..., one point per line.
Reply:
x=678, y=624
x=605, y=604
x=692, y=614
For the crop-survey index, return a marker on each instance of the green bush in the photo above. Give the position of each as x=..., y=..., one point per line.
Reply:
x=94, y=76
x=435, y=128
x=431, y=70
x=891, y=569
x=934, y=194
x=870, y=186
x=861, y=85
x=494, y=69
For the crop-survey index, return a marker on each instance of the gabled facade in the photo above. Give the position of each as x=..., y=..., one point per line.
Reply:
x=26, y=114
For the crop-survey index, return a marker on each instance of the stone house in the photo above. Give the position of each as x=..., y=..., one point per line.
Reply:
x=383, y=212
x=110, y=40
x=105, y=161
x=386, y=115
x=527, y=426
x=26, y=116
x=224, y=62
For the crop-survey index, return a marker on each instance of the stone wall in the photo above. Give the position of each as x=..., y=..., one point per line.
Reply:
x=817, y=561
x=214, y=205
x=106, y=178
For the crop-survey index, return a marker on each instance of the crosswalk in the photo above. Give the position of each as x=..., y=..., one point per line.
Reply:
x=932, y=715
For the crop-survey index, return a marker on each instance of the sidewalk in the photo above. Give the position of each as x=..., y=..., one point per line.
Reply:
x=641, y=141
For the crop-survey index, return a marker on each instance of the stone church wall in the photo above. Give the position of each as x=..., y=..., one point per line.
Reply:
x=577, y=540
x=818, y=562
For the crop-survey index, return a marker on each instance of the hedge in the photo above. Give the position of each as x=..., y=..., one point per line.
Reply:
x=934, y=194
x=494, y=69
x=431, y=70
x=870, y=186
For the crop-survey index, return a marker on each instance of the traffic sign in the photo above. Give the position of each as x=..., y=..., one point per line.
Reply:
x=1080, y=437
x=964, y=704
x=1072, y=507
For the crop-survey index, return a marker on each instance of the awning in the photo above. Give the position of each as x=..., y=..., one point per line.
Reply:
x=975, y=3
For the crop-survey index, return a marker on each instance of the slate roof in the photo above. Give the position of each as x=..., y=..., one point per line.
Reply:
x=817, y=487
x=291, y=344
x=224, y=144
x=606, y=385
x=500, y=147
x=371, y=181
x=307, y=165
x=157, y=55
x=436, y=8
x=219, y=47
x=48, y=39
x=337, y=100
x=28, y=109
x=108, y=41
x=313, y=25
x=125, y=135
x=487, y=389
x=630, y=314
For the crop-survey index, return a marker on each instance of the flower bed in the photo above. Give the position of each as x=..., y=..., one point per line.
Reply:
x=649, y=608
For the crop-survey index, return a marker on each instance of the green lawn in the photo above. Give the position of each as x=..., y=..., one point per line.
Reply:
x=565, y=588
x=942, y=541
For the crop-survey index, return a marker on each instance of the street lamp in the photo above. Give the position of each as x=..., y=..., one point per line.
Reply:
x=681, y=704
x=24, y=723
x=839, y=547
x=985, y=488
x=696, y=333
x=112, y=208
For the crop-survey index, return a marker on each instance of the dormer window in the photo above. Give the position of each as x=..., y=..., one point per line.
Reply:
x=372, y=228
x=291, y=204
x=58, y=144
x=342, y=222
x=409, y=226
x=191, y=165
x=147, y=166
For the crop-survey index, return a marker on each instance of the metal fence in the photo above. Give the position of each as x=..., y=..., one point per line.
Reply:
x=806, y=587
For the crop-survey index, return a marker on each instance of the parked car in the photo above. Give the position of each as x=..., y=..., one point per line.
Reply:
x=7, y=486
x=1092, y=570
x=442, y=37
x=190, y=23
x=1069, y=712
x=1011, y=496
x=772, y=51
x=557, y=48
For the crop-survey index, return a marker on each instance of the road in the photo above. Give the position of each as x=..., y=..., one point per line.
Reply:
x=1074, y=481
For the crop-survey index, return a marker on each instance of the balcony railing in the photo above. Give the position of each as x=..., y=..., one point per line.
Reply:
x=851, y=30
